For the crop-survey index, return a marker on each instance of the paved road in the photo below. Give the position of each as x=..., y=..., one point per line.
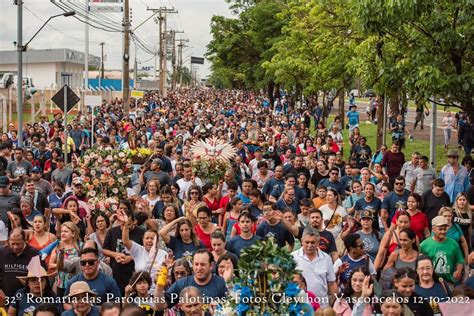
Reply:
x=410, y=118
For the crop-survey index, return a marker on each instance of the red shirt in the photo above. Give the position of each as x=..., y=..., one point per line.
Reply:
x=204, y=237
x=418, y=223
x=213, y=205
x=393, y=162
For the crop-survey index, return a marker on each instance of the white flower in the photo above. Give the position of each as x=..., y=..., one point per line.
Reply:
x=114, y=207
x=93, y=172
x=92, y=193
x=121, y=154
x=119, y=171
x=115, y=190
x=110, y=158
x=102, y=207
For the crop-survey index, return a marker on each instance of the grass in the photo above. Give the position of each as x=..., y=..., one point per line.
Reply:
x=411, y=104
x=370, y=132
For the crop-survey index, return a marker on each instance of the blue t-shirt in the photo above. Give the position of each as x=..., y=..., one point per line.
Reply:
x=272, y=184
x=237, y=243
x=103, y=285
x=338, y=186
x=373, y=206
x=393, y=202
x=215, y=289
x=353, y=117
x=281, y=204
x=25, y=304
x=278, y=231
x=182, y=249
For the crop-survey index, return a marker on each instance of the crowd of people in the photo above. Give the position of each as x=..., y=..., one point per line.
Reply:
x=378, y=232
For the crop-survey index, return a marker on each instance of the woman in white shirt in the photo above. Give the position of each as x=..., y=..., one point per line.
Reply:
x=334, y=214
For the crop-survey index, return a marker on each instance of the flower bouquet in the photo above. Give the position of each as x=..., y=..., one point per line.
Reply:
x=139, y=155
x=265, y=286
x=210, y=170
x=105, y=174
x=212, y=158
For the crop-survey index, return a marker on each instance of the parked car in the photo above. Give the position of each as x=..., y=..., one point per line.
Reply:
x=355, y=92
x=6, y=80
x=369, y=93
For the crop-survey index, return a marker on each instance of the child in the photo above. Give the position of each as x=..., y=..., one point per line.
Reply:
x=305, y=207
x=232, y=188
x=138, y=289
x=320, y=200
x=230, y=218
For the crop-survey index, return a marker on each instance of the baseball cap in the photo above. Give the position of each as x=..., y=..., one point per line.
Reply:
x=36, y=169
x=366, y=214
x=4, y=182
x=77, y=181
x=157, y=161
x=439, y=221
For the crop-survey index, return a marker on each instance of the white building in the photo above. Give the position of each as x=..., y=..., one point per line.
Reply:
x=50, y=67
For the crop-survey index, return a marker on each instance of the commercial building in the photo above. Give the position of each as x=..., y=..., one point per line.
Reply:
x=50, y=67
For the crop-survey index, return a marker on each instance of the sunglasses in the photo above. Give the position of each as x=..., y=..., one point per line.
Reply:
x=194, y=193
x=90, y=262
x=399, y=183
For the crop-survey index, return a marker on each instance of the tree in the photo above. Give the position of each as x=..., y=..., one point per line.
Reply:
x=240, y=46
x=317, y=46
x=433, y=44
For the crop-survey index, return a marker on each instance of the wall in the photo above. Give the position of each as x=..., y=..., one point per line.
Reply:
x=46, y=74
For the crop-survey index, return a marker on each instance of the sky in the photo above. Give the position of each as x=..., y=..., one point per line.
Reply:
x=193, y=18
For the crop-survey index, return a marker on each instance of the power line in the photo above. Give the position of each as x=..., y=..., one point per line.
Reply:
x=84, y=19
x=57, y=30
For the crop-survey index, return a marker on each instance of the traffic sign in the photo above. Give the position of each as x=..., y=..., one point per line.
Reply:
x=70, y=99
x=197, y=60
x=137, y=94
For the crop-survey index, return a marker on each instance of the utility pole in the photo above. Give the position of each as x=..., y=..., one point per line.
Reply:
x=102, y=61
x=173, y=59
x=181, y=45
x=135, y=69
x=86, y=57
x=126, y=57
x=19, y=90
x=162, y=12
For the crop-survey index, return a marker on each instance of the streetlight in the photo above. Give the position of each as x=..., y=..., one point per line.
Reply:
x=20, y=49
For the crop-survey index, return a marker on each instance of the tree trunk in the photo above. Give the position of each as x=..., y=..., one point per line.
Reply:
x=270, y=87
x=393, y=104
x=380, y=112
x=341, y=108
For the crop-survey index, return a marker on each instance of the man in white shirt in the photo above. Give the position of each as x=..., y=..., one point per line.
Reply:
x=316, y=266
x=409, y=167
x=186, y=181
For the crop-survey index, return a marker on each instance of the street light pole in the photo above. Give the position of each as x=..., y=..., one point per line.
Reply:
x=20, y=49
x=102, y=60
x=19, y=91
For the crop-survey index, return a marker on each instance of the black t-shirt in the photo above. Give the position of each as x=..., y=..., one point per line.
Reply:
x=432, y=203
x=316, y=178
x=113, y=242
x=12, y=266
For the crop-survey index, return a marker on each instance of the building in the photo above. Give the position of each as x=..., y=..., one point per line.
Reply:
x=50, y=67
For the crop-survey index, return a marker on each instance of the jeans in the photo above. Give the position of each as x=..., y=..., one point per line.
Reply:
x=447, y=136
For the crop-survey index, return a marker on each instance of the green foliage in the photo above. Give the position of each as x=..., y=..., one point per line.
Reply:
x=422, y=48
x=241, y=45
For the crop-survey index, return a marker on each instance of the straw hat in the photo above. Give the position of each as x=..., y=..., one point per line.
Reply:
x=80, y=287
x=30, y=275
